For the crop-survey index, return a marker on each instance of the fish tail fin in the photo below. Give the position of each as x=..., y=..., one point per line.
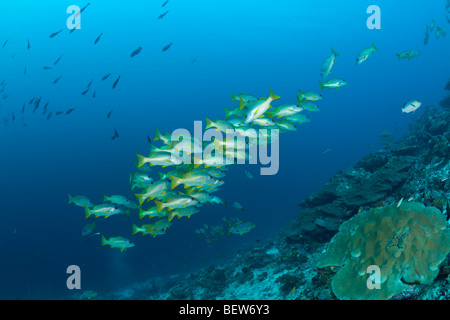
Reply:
x=209, y=123
x=375, y=48
x=227, y=113
x=104, y=241
x=159, y=205
x=157, y=136
x=300, y=96
x=141, y=213
x=175, y=181
x=170, y=215
x=141, y=198
x=70, y=198
x=273, y=96
x=134, y=229
x=105, y=198
x=334, y=52
x=87, y=212
x=241, y=104
x=398, y=56
x=141, y=160
x=322, y=85
x=162, y=176
x=233, y=97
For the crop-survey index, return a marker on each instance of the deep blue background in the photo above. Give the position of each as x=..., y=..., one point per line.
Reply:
x=240, y=46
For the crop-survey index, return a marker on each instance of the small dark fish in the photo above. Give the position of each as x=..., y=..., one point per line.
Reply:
x=116, y=134
x=37, y=102
x=136, y=52
x=4, y=44
x=106, y=76
x=28, y=45
x=73, y=29
x=45, y=111
x=25, y=71
x=98, y=38
x=149, y=139
x=5, y=96
x=49, y=115
x=46, y=105
x=13, y=117
x=57, y=60
x=56, y=80
x=46, y=68
x=84, y=7
x=70, y=110
x=23, y=108
x=167, y=47
x=13, y=55
x=31, y=101
x=86, y=91
x=89, y=85
x=93, y=96
x=165, y=3
x=193, y=61
x=54, y=34
x=109, y=114
x=116, y=82
x=58, y=113
x=162, y=16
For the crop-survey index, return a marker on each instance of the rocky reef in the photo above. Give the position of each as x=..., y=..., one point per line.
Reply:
x=390, y=209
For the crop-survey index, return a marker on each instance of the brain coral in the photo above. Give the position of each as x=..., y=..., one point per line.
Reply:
x=407, y=243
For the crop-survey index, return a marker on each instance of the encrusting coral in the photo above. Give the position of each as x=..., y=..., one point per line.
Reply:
x=407, y=243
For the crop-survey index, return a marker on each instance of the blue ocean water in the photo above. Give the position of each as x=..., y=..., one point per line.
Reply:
x=218, y=47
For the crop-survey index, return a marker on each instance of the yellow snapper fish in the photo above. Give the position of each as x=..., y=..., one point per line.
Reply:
x=164, y=138
x=332, y=83
x=263, y=122
x=229, y=144
x=117, y=199
x=285, y=110
x=328, y=64
x=260, y=107
x=177, y=202
x=237, y=112
x=140, y=180
x=117, y=242
x=220, y=125
x=309, y=106
x=105, y=210
x=240, y=228
x=309, y=95
x=200, y=196
x=80, y=201
x=156, y=189
x=182, y=212
x=161, y=224
x=159, y=159
x=411, y=106
x=298, y=118
x=244, y=96
x=144, y=229
x=151, y=213
x=192, y=179
x=365, y=54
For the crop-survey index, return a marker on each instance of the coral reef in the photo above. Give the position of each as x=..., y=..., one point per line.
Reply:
x=407, y=243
